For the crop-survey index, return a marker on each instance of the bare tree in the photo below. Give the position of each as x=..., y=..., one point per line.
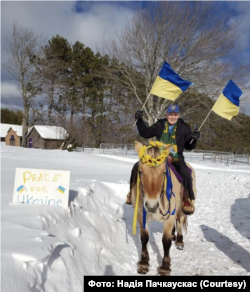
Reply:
x=23, y=46
x=190, y=36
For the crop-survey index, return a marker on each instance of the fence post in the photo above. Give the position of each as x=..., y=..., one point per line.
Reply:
x=125, y=150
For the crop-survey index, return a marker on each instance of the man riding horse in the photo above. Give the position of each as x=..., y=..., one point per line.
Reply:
x=171, y=130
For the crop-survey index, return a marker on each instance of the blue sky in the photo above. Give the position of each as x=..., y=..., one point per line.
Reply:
x=87, y=22
x=87, y=6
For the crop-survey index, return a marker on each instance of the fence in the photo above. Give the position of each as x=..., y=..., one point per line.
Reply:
x=196, y=155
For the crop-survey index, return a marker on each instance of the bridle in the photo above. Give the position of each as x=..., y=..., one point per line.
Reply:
x=164, y=186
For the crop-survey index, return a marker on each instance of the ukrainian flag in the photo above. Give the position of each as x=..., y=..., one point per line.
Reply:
x=228, y=103
x=21, y=189
x=61, y=189
x=168, y=84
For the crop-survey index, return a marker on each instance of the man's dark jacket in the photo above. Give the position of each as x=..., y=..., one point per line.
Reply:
x=183, y=132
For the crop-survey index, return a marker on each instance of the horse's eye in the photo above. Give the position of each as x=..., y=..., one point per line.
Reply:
x=140, y=172
x=164, y=173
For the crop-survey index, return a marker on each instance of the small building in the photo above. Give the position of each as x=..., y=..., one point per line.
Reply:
x=46, y=137
x=5, y=128
x=14, y=136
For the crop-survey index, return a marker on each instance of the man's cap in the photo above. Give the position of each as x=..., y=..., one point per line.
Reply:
x=173, y=109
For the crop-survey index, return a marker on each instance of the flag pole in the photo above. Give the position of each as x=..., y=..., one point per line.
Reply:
x=203, y=123
x=143, y=107
x=205, y=119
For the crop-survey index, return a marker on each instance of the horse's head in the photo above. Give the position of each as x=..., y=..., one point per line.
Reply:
x=152, y=173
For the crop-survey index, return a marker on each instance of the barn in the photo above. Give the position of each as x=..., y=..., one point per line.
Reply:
x=46, y=137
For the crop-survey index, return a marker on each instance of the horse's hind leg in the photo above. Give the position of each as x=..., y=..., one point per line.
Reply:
x=143, y=264
x=181, y=223
x=173, y=233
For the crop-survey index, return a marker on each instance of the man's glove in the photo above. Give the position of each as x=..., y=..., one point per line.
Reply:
x=195, y=135
x=138, y=115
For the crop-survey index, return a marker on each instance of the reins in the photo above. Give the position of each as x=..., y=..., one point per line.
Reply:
x=169, y=191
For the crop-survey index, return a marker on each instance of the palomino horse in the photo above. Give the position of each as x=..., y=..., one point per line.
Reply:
x=157, y=195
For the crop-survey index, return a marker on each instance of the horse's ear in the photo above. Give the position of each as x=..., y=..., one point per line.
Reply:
x=138, y=146
x=167, y=146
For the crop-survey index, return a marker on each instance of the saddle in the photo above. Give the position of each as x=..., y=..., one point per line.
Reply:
x=176, y=173
x=187, y=205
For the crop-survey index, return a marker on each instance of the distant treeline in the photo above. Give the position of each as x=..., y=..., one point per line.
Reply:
x=217, y=134
x=11, y=117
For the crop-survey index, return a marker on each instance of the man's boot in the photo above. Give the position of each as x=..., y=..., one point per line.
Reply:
x=187, y=204
x=128, y=201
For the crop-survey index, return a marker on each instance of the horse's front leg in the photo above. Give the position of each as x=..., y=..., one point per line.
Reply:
x=164, y=269
x=143, y=264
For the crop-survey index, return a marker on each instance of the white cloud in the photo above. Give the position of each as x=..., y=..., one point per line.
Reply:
x=10, y=96
x=89, y=28
x=9, y=90
x=242, y=9
x=60, y=17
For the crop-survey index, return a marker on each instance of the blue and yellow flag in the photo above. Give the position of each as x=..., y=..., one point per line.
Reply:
x=228, y=103
x=169, y=84
x=21, y=189
x=61, y=189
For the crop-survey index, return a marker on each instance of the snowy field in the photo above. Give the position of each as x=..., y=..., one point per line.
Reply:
x=45, y=248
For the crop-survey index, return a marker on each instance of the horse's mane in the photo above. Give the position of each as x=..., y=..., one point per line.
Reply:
x=153, y=151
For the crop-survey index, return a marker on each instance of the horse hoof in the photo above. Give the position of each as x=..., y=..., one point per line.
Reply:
x=180, y=247
x=163, y=272
x=142, y=270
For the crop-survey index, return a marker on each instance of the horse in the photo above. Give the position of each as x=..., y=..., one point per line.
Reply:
x=150, y=202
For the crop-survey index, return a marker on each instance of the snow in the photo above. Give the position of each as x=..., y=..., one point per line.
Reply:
x=17, y=129
x=46, y=248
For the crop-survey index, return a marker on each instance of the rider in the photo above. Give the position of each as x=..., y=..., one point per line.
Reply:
x=171, y=130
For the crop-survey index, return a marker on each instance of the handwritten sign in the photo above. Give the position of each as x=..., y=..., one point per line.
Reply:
x=41, y=187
